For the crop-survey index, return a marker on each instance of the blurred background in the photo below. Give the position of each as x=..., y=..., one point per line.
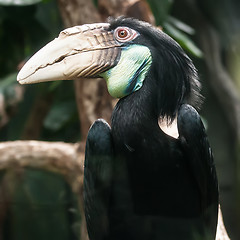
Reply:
x=41, y=201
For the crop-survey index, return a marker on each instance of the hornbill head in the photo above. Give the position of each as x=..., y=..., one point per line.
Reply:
x=127, y=53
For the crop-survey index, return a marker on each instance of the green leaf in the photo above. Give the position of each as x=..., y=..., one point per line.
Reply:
x=18, y=2
x=59, y=115
x=9, y=88
x=181, y=25
x=7, y=81
x=183, y=40
x=160, y=9
x=40, y=206
x=50, y=18
x=95, y=2
x=17, y=124
x=54, y=85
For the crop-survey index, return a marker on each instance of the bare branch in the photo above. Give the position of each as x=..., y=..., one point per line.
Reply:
x=63, y=158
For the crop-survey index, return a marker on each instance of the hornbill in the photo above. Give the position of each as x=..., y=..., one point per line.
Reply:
x=139, y=181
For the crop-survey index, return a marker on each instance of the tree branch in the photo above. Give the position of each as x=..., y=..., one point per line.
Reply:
x=65, y=159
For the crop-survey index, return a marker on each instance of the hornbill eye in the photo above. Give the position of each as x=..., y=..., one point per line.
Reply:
x=125, y=34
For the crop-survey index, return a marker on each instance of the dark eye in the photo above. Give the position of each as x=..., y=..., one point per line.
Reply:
x=124, y=34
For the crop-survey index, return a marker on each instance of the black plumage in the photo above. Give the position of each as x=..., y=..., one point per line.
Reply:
x=139, y=182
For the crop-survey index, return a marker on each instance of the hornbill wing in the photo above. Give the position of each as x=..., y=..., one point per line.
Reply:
x=97, y=179
x=197, y=149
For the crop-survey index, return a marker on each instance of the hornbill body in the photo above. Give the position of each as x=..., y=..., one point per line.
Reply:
x=139, y=182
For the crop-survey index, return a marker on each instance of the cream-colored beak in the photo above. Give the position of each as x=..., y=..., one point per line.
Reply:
x=81, y=51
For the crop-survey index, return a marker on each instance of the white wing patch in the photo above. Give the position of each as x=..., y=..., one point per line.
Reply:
x=169, y=129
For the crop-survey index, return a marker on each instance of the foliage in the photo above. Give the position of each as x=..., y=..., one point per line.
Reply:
x=174, y=27
x=178, y=31
x=23, y=30
x=42, y=209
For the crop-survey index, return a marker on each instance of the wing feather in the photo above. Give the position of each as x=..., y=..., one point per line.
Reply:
x=98, y=179
x=198, y=151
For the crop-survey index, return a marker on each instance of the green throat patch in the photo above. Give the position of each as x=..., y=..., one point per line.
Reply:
x=128, y=75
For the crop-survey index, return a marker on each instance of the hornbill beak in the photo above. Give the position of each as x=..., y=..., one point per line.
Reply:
x=81, y=51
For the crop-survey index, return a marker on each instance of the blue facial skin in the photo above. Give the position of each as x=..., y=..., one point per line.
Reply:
x=128, y=75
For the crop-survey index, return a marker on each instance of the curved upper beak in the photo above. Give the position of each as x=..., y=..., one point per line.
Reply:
x=81, y=51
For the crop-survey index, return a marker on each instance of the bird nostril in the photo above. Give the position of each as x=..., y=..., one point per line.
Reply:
x=60, y=59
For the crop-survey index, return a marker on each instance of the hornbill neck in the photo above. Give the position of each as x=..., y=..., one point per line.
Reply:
x=135, y=116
